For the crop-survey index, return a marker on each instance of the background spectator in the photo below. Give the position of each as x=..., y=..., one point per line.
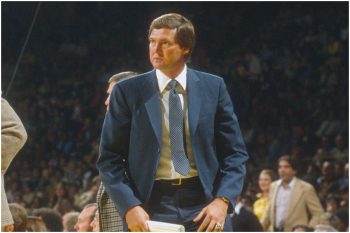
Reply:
x=60, y=201
x=85, y=218
x=260, y=205
x=95, y=224
x=19, y=215
x=51, y=218
x=243, y=219
x=69, y=220
x=35, y=224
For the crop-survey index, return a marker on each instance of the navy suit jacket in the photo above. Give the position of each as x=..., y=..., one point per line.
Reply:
x=131, y=139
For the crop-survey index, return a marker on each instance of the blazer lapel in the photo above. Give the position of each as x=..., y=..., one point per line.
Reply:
x=274, y=189
x=294, y=198
x=194, y=100
x=152, y=104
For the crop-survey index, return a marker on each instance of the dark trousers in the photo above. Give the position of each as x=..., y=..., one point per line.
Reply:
x=179, y=204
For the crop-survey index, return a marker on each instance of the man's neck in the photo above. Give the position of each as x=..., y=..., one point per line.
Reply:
x=174, y=72
x=285, y=183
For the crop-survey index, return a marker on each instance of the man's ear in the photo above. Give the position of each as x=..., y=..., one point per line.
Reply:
x=186, y=51
x=295, y=172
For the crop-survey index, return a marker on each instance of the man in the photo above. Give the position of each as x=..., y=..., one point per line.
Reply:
x=13, y=137
x=19, y=215
x=116, y=79
x=36, y=224
x=69, y=220
x=89, y=196
x=51, y=218
x=243, y=219
x=85, y=218
x=110, y=219
x=292, y=201
x=172, y=153
x=95, y=224
x=341, y=151
x=327, y=181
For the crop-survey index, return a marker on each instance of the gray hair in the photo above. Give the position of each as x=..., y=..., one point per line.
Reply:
x=122, y=76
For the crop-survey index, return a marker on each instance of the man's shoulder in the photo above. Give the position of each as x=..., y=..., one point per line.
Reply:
x=204, y=75
x=137, y=78
x=276, y=183
x=274, y=186
x=303, y=184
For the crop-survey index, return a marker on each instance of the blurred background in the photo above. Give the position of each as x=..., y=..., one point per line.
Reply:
x=285, y=65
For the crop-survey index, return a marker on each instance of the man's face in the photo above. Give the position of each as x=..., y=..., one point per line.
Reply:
x=84, y=220
x=327, y=168
x=109, y=91
x=165, y=53
x=95, y=223
x=64, y=222
x=285, y=171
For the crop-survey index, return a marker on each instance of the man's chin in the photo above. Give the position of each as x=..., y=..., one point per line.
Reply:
x=286, y=179
x=157, y=66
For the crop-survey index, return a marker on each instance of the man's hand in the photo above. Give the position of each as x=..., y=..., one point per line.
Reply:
x=213, y=215
x=136, y=218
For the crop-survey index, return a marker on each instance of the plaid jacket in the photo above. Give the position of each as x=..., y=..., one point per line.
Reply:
x=110, y=219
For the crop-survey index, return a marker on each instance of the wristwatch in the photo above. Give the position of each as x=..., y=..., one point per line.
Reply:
x=227, y=201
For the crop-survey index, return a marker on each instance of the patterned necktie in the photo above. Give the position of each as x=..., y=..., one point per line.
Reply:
x=176, y=126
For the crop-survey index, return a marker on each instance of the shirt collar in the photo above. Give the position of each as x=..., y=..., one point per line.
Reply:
x=163, y=80
x=290, y=185
x=238, y=207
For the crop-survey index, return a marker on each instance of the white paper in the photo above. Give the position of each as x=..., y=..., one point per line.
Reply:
x=155, y=226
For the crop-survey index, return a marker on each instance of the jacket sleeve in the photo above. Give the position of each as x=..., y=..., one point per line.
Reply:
x=13, y=134
x=230, y=148
x=13, y=137
x=114, y=148
x=313, y=205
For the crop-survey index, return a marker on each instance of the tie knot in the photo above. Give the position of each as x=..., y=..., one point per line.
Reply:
x=172, y=84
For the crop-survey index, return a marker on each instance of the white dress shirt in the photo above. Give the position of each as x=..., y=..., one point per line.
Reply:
x=282, y=202
x=166, y=169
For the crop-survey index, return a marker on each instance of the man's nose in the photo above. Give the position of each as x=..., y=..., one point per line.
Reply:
x=158, y=48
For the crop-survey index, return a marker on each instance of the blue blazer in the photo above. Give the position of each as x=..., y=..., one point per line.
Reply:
x=131, y=139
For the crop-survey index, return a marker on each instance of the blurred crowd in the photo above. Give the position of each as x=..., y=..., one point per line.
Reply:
x=286, y=69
